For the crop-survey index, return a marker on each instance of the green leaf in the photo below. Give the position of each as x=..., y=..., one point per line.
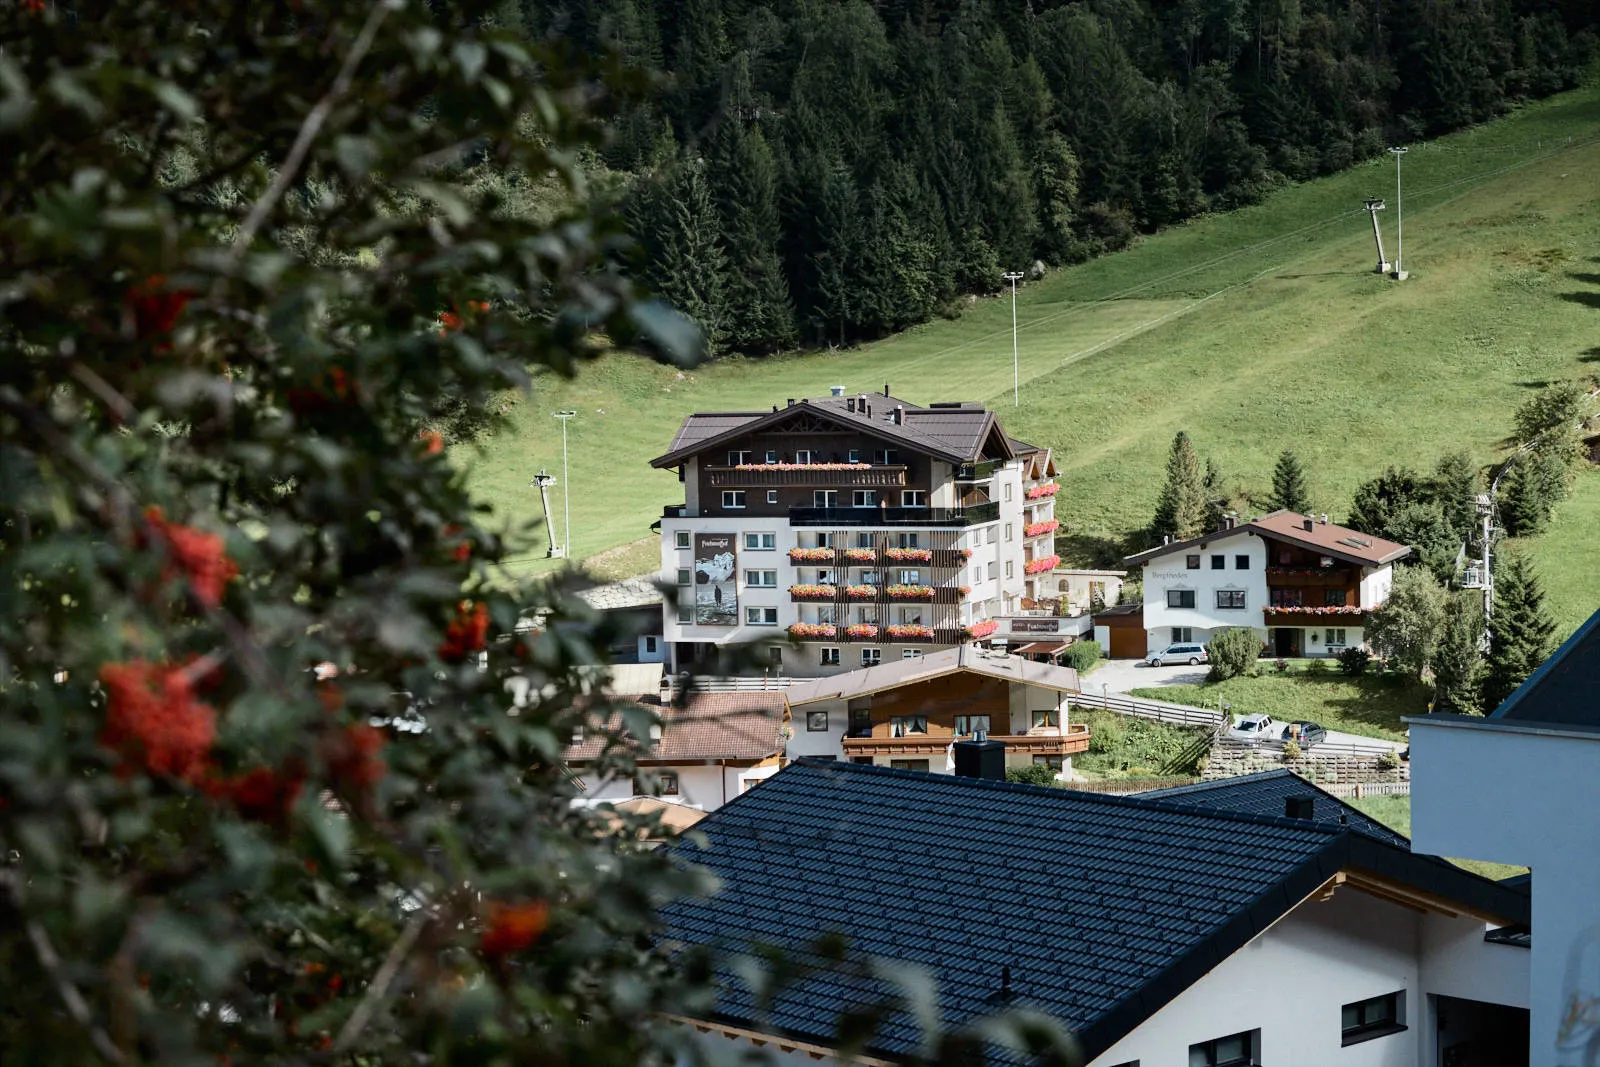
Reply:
x=16, y=101
x=330, y=831
x=470, y=57
x=183, y=106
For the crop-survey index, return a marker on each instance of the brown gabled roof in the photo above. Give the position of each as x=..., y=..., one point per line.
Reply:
x=1340, y=542
x=741, y=726
x=963, y=658
x=958, y=433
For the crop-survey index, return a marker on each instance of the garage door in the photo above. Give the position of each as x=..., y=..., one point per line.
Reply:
x=1127, y=642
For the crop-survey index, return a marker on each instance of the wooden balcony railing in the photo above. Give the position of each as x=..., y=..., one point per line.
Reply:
x=856, y=476
x=1052, y=742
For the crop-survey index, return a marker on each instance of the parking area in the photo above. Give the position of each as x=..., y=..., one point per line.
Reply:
x=1121, y=675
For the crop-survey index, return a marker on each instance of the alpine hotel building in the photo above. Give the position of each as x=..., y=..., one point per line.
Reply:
x=865, y=526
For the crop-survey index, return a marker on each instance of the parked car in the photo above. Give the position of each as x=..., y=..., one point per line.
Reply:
x=1253, y=728
x=1305, y=734
x=1193, y=655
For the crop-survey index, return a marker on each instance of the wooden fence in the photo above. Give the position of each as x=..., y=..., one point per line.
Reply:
x=1181, y=714
x=1368, y=789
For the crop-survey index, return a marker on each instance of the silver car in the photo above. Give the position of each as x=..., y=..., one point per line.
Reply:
x=1193, y=655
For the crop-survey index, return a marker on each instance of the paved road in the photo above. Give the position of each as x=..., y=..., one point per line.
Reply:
x=1117, y=676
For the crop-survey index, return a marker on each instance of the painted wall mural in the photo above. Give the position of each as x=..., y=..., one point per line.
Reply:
x=716, y=594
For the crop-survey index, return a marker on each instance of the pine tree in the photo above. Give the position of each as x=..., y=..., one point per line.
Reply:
x=1377, y=501
x=1458, y=661
x=688, y=266
x=1289, y=491
x=1521, y=632
x=760, y=316
x=1524, y=502
x=1455, y=489
x=1181, y=508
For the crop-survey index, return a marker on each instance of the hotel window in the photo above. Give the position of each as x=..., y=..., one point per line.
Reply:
x=824, y=540
x=1180, y=598
x=824, y=577
x=775, y=655
x=737, y=458
x=1008, y=531
x=685, y=576
x=1230, y=599
x=1333, y=598
x=906, y=725
x=865, y=498
x=669, y=783
x=910, y=616
x=1009, y=566
x=760, y=542
x=686, y=608
x=910, y=577
x=1286, y=598
x=909, y=764
x=761, y=616
x=913, y=498
x=1241, y=563
x=772, y=456
x=1183, y=635
x=993, y=572
x=827, y=615
x=967, y=725
x=824, y=498
x=802, y=456
x=864, y=539
x=867, y=616
x=1008, y=490
x=830, y=657
x=871, y=657
x=761, y=579
x=1367, y=1019
x=1047, y=717
x=1235, y=1050
x=908, y=540
x=911, y=653
x=1219, y=563
x=665, y=785
x=772, y=496
x=854, y=455
x=733, y=498
x=886, y=457
x=1055, y=763
x=681, y=539
x=1335, y=638
x=650, y=646
x=1192, y=562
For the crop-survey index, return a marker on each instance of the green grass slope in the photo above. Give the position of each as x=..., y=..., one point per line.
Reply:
x=1255, y=331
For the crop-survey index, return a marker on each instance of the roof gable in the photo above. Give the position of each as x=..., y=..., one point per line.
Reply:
x=1327, y=538
x=1565, y=690
x=1266, y=793
x=744, y=726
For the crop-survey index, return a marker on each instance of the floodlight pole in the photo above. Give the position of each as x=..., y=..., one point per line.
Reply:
x=1375, y=205
x=1013, y=277
x=1399, y=273
x=543, y=482
x=566, y=482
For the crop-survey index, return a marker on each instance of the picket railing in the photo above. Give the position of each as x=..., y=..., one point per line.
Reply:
x=1182, y=714
x=1368, y=789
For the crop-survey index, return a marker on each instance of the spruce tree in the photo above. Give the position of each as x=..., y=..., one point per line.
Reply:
x=1181, y=508
x=760, y=316
x=1289, y=491
x=1455, y=489
x=688, y=268
x=1458, y=660
x=1523, y=499
x=1521, y=632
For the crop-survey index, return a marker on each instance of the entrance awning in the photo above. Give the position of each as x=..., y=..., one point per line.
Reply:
x=1042, y=648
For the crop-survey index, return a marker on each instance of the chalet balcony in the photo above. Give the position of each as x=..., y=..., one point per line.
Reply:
x=1052, y=741
x=1308, y=615
x=978, y=472
x=888, y=516
x=777, y=475
x=1312, y=578
x=875, y=634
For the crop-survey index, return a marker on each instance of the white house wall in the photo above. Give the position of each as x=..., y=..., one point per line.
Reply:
x=1375, y=585
x=699, y=785
x=829, y=743
x=1291, y=984
x=1171, y=572
x=1458, y=962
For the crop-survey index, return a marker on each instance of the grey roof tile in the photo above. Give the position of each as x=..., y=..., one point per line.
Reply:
x=1265, y=793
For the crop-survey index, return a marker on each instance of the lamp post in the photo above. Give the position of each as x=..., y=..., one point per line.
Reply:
x=566, y=481
x=1014, y=276
x=1399, y=273
x=1375, y=205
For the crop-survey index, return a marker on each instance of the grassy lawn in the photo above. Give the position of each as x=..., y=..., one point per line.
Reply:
x=1371, y=705
x=1567, y=556
x=1255, y=331
x=1395, y=813
x=1121, y=746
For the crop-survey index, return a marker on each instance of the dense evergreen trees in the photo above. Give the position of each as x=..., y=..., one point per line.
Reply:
x=1181, y=508
x=1458, y=661
x=1521, y=632
x=897, y=153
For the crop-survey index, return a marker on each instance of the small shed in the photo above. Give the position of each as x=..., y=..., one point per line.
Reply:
x=1120, y=631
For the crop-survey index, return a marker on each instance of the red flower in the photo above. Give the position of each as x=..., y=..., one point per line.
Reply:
x=33, y=7
x=513, y=927
x=450, y=321
x=467, y=633
x=354, y=758
x=155, y=308
x=432, y=442
x=154, y=721
x=197, y=554
x=263, y=794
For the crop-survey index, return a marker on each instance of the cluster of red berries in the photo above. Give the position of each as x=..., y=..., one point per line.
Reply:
x=155, y=307
x=154, y=721
x=326, y=390
x=262, y=794
x=198, y=555
x=467, y=633
x=355, y=759
x=432, y=442
x=512, y=928
x=450, y=320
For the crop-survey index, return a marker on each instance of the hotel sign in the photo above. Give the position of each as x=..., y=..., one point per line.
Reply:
x=716, y=591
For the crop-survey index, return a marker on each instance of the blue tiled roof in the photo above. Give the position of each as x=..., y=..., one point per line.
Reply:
x=1562, y=691
x=1264, y=793
x=1103, y=908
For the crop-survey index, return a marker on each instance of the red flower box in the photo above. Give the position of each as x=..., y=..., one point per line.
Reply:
x=799, y=466
x=860, y=555
x=911, y=633
x=813, y=629
x=980, y=629
x=909, y=555
x=1039, y=528
x=1038, y=491
x=811, y=555
x=964, y=553
x=910, y=592
x=861, y=592
x=813, y=592
x=1043, y=563
x=861, y=631
x=1305, y=609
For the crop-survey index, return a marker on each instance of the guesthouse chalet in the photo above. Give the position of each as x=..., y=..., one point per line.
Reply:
x=1304, y=584
x=863, y=525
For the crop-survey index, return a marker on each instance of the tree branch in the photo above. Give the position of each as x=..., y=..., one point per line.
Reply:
x=76, y=1005
x=378, y=991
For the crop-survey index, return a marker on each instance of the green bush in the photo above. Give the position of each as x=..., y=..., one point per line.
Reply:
x=1389, y=761
x=1106, y=734
x=1291, y=751
x=1082, y=655
x=1035, y=774
x=1124, y=747
x=1232, y=652
x=1317, y=667
x=1353, y=661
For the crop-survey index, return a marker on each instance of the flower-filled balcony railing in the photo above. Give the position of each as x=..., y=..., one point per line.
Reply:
x=813, y=592
x=979, y=629
x=1039, y=491
x=1039, y=529
x=824, y=630
x=910, y=592
x=860, y=555
x=861, y=631
x=861, y=592
x=909, y=632
x=1042, y=564
x=1308, y=609
x=811, y=555
x=908, y=555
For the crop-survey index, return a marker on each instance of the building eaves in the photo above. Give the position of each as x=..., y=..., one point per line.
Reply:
x=964, y=658
x=1321, y=540
x=902, y=434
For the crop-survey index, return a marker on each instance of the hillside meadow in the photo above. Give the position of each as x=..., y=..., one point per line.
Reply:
x=1255, y=331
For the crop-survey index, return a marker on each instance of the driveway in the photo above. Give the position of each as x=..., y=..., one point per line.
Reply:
x=1121, y=675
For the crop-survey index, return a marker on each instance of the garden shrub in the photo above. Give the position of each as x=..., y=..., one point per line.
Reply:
x=1291, y=751
x=1389, y=761
x=1034, y=774
x=1317, y=667
x=1232, y=653
x=1353, y=661
x=1082, y=655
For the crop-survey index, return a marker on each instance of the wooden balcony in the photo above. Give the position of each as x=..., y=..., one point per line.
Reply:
x=773, y=476
x=1072, y=740
x=1311, y=577
x=1312, y=616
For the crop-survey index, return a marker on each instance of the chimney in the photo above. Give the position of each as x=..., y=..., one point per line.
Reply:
x=885, y=388
x=791, y=401
x=897, y=416
x=1300, y=807
x=1324, y=518
x=1310, y=523
x=981, y=758
x=850, y=404
x=836, y=390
